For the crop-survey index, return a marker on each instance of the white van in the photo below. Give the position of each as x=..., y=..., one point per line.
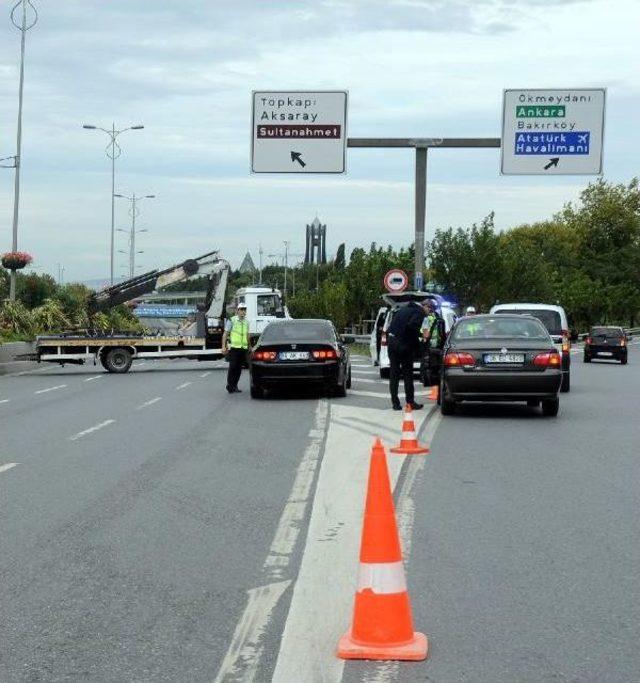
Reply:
x=555, y=320
x=378, y=341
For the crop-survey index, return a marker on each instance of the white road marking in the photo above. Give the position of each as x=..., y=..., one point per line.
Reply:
x=8, y=466
x=183, y=386
x=242, y=660
x=205, y=374
x=79, y=435
x=377, y=394
x=44, y=391
x=355, y=365
x=149, y=403
x=5, y=400
x=323, y=593
x=90, y=379
x=370, y=381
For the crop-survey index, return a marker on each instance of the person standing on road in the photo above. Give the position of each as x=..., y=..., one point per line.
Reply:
x=235, y=344
x=430, y=329
x=403, y=342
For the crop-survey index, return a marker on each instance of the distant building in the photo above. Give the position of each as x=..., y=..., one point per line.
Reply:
x=247, y=265
x=316, y=249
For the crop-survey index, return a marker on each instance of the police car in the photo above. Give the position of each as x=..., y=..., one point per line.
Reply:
x=393, y=302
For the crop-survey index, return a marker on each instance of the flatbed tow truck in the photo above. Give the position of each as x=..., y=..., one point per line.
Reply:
x=117, y=351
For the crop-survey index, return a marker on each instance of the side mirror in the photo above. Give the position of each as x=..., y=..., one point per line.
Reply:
x=348, y=339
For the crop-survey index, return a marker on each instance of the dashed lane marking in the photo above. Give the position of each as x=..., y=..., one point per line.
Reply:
x=8, y=466
x=377, y=394
x=356, y=365
x=44, y=391
x=149, y=403
x=95, y=428
x=90, y=379
x=5, y=400
x=242, y=661
x=183, y=386
x=205, y=374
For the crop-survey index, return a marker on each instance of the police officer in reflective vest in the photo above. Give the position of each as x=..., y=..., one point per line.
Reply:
x=235, y=344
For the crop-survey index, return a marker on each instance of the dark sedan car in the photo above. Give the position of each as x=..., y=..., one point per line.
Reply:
x=500, y=358
x=606, y=342
x=300, y=352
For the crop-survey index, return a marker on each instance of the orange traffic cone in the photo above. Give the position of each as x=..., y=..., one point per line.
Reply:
x=382, y=626
x=433, y=393
x=409, y=443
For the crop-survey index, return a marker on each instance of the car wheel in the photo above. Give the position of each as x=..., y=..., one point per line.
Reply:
x=566, y=382
x=349, y=378
x=447, y=406
x=340, y=390
x=586, y=359
x=256, y=391
x=550, y=406
x=117, y=360
x=384, y=373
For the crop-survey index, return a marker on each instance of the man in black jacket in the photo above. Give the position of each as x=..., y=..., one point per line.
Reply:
x=403, y=343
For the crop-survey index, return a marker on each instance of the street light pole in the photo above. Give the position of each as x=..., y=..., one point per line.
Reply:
x=134, y=212
x=113, y=151
x=286, y=265
x=23, y=27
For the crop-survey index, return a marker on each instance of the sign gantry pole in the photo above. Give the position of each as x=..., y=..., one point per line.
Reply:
x=422, y=145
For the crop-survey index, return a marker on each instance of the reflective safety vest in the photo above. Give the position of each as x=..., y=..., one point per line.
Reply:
x=430, y=324
x=238, y=333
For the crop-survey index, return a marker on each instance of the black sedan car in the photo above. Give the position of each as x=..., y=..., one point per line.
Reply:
x=300, y=352
x=606, y=342
x=500, y=358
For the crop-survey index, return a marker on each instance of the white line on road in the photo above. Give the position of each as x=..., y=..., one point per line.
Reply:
x=183, y=386
x=8, y=466
x=323, y=592
x=5, y=400
x=243, y=656
x=79, y=435
x=44, y=391
x=367, y=367
x=377, y=394
x=149, y=403
x=205, y=374
x=90, y=379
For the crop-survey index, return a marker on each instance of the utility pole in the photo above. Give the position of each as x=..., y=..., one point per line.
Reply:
x=134, y=212
x=260, y=252
x=23, y=27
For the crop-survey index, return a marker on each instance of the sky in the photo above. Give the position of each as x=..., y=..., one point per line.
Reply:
x=185, y=69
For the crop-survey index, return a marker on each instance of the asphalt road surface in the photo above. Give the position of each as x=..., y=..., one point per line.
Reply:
x=154, y=528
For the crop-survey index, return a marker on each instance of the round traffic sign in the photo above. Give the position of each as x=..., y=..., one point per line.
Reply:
x=396, y=280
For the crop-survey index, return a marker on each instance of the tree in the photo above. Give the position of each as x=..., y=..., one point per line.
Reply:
x=339, y=262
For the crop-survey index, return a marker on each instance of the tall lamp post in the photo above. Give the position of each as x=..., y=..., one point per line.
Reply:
x=113, y=151
x=134, y=212
x=23, y=25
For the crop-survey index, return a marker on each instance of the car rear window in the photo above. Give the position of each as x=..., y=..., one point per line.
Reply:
x=610, y=332
x=550, y=319
x=499, y=327
x=299, y=331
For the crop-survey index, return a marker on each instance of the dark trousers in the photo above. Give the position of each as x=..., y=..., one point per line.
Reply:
x=237, y=358
x=401, y=364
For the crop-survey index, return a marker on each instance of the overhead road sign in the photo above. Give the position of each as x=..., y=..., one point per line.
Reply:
x=552, y=132
x=396, y=280
x=299, y=132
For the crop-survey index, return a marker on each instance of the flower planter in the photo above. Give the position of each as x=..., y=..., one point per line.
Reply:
x=16, y=260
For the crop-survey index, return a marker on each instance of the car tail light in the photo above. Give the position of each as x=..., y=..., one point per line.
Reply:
x=566, y=341
x=383, y=339
x=264, y=355
x=548, y=360
x=459, y=359
x=325, y=354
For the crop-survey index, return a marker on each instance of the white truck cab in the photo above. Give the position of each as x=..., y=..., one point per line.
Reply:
x=264, y=305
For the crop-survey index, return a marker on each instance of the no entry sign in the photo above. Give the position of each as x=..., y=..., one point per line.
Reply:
x=396, y=280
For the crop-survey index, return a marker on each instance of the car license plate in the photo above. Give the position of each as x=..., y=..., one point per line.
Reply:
x=294, y=355
x=504, y=357
x=605, y=353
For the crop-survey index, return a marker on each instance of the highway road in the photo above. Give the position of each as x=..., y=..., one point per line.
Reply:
x=155, y=528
